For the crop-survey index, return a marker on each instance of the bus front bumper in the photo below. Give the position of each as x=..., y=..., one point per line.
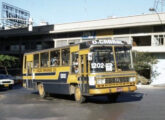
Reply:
x=112, y=90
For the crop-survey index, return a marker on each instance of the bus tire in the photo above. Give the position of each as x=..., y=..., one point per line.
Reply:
x=78, y=95
x=41, y=91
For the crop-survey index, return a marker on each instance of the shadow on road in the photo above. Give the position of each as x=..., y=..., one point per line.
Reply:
x=124, y=97
x=130, y=97
x=56, y=96
x=17, y=86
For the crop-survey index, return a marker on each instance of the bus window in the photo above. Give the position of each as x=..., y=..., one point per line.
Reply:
x=123, y=58
x=102, y=59
x=55, y=58
x=44, y=59
x=75, y=63
x=36, y=61
x=65, y=56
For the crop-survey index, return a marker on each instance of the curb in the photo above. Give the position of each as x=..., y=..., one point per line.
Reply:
x=150, y=86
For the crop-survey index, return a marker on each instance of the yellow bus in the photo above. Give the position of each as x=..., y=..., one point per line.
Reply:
x=98, y=67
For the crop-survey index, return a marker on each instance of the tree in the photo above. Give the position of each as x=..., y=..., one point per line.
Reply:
x=143, y=62
x=7, y=61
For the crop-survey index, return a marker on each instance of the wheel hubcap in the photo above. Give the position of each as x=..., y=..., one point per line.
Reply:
x=78, y=94
x=41, y=90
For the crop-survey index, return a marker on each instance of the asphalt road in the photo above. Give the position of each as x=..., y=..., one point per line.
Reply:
x=22, y=104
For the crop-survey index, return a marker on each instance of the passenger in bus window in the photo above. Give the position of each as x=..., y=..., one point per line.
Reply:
x=56, y=63
x=53, y=61
x=36, y=65
x=45, y=64
x=64, y=62
x=75, y=62
x=76, y=69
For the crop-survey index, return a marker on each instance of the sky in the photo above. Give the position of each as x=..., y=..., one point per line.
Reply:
x=67, y=11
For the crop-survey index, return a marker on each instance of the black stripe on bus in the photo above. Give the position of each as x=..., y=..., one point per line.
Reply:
x=40, y=74
x=27, y=74
x=43, y=80
x=62, y=78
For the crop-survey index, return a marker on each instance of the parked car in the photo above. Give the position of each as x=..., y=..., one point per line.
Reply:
x=6, y=81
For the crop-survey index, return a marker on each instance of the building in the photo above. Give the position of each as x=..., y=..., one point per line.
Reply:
x=145, y=32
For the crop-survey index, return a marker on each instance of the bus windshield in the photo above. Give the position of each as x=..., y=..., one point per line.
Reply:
x=123, y=58
x=102, y=59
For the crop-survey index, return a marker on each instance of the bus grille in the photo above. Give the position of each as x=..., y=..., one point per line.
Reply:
x=117, y=80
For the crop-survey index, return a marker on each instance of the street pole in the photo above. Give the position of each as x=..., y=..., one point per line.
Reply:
x=154, y=10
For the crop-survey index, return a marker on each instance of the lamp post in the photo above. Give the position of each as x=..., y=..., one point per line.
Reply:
x=154, y=10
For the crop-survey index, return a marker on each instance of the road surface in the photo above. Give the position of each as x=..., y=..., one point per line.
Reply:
x=22, y=104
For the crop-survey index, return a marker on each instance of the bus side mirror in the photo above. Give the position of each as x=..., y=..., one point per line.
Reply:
x=90, y=56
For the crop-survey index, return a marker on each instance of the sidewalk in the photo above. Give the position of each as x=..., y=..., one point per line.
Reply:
x=151, y=86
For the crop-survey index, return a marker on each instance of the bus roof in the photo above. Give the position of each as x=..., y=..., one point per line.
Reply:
x=88, y=44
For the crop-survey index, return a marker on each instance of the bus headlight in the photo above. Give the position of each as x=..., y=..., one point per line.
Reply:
x=91, y=80
x=100, y=81
x=132, y=79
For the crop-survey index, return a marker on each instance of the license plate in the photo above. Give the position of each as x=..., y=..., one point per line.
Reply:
x=6, y=85
x=119, y=89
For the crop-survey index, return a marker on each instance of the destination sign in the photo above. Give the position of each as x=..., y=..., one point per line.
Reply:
x=108, y=42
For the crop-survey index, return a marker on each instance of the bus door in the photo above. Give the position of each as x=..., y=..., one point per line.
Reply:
x=29, y=74
x=84, y=73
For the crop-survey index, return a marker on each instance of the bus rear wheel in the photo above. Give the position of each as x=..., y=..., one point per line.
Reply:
x=41, y=90
x=78, y=95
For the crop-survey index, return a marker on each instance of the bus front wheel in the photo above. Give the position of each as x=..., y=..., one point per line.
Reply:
x=41, y=90
x=78, y=95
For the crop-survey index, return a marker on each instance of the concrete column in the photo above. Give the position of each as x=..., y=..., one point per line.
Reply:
x=153, y=40
x=130, y=40
x=54, y=43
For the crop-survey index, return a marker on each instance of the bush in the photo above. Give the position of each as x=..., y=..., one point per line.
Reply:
x=143, y=63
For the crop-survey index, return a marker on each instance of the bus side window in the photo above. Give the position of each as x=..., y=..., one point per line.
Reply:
x=65, y=56
x=75, y=62
x=36, y=60
x=44, y=59
x=55, y=58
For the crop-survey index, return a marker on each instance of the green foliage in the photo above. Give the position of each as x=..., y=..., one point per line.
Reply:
x=143, y=60
x=143, y=63
x=7, y=61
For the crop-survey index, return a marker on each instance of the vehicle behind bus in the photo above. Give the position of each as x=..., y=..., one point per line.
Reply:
x=100, y=67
